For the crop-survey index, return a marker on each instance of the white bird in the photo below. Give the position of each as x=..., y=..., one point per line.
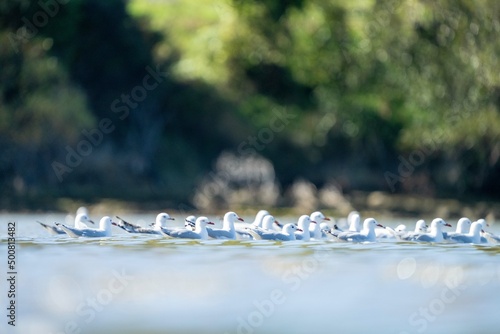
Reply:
x=315, y=229
x=200, y=231
x=463, y=227
x=267, y=226
x=304, y=232
x=104, y=229
x=227, y=231
x=257, y=223
x=269, y=222
x=51, y=229
x=472, y=237
x=385, y=233
x=486, y=235
x=400, y=228
x=354, y=221
x=367, y=234
x=80, y=222
x=259, y=218
x=435, y=234
x=160, y=222
x=420, y=227
x=82, y=210
x=190, y=223
x=287, y=234
x=324, y=227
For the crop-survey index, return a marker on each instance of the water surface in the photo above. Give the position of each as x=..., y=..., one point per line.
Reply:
x=149, y=284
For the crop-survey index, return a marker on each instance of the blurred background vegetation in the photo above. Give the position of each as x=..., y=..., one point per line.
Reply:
x=292, y=102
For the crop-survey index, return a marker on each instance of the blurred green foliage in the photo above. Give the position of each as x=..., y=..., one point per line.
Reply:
x=367, y=83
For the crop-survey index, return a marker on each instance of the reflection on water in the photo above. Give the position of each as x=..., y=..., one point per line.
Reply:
x=148, y=284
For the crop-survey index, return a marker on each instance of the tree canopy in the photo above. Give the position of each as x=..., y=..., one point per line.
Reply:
x=400, y=96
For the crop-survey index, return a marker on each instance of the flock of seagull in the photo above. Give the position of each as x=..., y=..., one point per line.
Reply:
x=265, y=227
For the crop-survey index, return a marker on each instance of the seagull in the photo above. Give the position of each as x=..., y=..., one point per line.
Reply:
x=227, y=231
x=485, y=235
x=354, y=221
x=200, y=231
x=267, y=226
x=190, y=223
x=82, y=210
x=287, y=234
x=420, y=227
x=435, y=234
x=52, y=229
x=269, y=222
x=315, y=229
x=367, y=234
x=161, y=220
x=304, y=232
x=80, y=221
x=473, y=237
x=257, y=223
x=104, y=229
x=259, y=218
x=385, y=233
x=463, y=227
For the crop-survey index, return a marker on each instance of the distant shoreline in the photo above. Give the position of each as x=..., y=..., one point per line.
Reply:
x=368, y=203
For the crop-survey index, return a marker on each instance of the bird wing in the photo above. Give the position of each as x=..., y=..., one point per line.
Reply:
x=185, y=234
x=275, y=236
x=128, y=225
x=423, y=237
x=220, y=233
x=282, y=237
x=357, y=238
x=71, y=231
x=52, y=229
x=92, y=233
x=461, y=238
x=254, y=234
x=145, y=230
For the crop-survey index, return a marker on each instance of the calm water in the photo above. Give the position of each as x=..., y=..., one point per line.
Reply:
x=148, y=284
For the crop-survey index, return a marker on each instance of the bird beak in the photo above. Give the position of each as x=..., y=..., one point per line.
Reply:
x=90, y=221
x=113, y=223
x=278, y=223
x=326, y=218
x=300, y=230
x=313, y=222
x=241, y=219
x=380, y=225
x=449, y=225
x=210, y=223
